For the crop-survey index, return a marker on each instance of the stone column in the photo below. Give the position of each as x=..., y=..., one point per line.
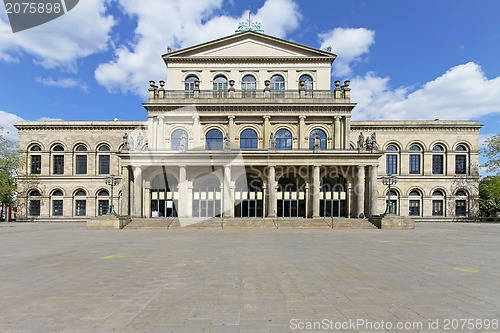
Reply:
x=302, y=132
x=232, y=129
x=182, y=202
x=271, y=185
x=359, y=190
x=125, y=191
x=190, y=200
x=336, y=143
x=267, y=131
x=196, y=132
x=316, y=190
x=227, y=194
x=373, y=190
x=147, y=199
x=161, y=133
x=137, y=192
x=347, y=132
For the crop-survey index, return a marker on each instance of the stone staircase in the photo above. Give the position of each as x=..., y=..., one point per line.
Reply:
x=238, y=223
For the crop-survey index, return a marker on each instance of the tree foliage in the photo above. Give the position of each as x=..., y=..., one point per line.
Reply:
x=492, y=153
x=11, y=161
x=489, y=201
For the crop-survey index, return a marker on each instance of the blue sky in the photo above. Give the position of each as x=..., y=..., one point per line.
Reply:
x=405, y=59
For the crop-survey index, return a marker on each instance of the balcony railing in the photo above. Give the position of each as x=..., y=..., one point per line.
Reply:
x=160, y=94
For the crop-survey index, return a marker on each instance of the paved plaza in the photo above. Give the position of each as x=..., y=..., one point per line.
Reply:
x=58, y=277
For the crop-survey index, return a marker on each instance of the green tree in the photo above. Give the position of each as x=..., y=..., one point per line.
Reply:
x=11, y=161
x=492, y=153
x=489, y=188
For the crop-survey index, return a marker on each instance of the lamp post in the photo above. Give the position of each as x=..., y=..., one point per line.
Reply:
x=389, y=180
x=112, y=180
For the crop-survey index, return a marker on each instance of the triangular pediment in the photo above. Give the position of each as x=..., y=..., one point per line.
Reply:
x=249, y=44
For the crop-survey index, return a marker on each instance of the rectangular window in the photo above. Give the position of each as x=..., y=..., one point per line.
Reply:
x=460, y=164
x=103, y=207
x=36, y=164
x=81, y=164
x=58, y=164
x=103, y=164
x=392, y=164
x=34, y=207
x=437, y=207
x=80, y=207
x=461, y=208
x=414, y=164
x=57, y=208
x=414, y=207
x=437, y=164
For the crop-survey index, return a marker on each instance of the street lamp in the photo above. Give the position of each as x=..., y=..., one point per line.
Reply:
x=112, y=181
x=389, y=180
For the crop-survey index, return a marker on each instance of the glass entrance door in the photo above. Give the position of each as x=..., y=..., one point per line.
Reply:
x=207, y=202
x=164, y=203
x=333, y=196
x=291, y=197
x=248, y=203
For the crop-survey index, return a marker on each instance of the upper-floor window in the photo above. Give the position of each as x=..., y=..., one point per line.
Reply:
x=321, y=137
x=81, y=161
x=58, y=161
x=35, y=148
x=36, y=160
x=248, y=139
x=308, y=82
x=415, y=157
x=104, y=159
x=283, y=139
x=461, y=160
x=190, y=82
x=391, y=159
x=220, y=83
x=277, y=82
x=179, y=139
x=214, y=139
x=438, y=160
x=248, y=83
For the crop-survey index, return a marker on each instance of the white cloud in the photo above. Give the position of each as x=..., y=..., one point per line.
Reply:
x=63, y=83
x=7, y=122
x=59, y=43
x=463, y=92
x=179, y=24
x=349, y=44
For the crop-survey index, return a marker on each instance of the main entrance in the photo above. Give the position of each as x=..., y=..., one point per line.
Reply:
x=291, y=196
x=333, y=197
x=248, y=196
x=164, y=196
x=206, y=196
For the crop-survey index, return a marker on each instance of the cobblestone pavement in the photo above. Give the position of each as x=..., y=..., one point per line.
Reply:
x=61, y=277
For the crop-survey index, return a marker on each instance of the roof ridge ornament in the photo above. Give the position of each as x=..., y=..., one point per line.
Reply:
x=249, y=25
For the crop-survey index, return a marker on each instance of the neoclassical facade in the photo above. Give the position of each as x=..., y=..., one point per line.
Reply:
x=249, y=127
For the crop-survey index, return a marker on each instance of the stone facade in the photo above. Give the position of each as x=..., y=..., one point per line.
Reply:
x=249, y=127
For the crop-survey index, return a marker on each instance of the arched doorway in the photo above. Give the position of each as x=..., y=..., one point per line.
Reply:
x=333, y=196
x=164, y=196
x=248, y=196
x=206, y=196
x=291, y=196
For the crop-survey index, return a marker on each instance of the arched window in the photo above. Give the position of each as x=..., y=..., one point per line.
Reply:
x=36, y=161
x=438, y=203
x=58, y=160
x=80, y=203
x=34, y=203
x=277, y=82
x=461, y=203
x=104, y=148
x=415, y=203
x=248, y=139
x=220, y=83
x=81, y=161
x=214, y=140
x=391, y=202
x=103, y=202
x=461, y=160
x=437, y=160
x=308, y=82
x=391, y=160
x=104, y=159
x=322, y=138
x=179, y=140
x=57, y=203
x=283, y=139
x=248, y=83
x=415, y=158
x=190, y=82
x=35, y=148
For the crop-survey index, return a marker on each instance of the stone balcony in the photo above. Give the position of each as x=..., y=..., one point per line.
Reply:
x=341, y=94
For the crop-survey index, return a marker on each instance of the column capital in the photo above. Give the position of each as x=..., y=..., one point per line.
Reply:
x=302, y=117
x=195, y=118
x=231, y=117
x=266, y=117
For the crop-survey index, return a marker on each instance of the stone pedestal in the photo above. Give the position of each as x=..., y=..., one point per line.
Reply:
x=107, y=222
x=392, y=222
